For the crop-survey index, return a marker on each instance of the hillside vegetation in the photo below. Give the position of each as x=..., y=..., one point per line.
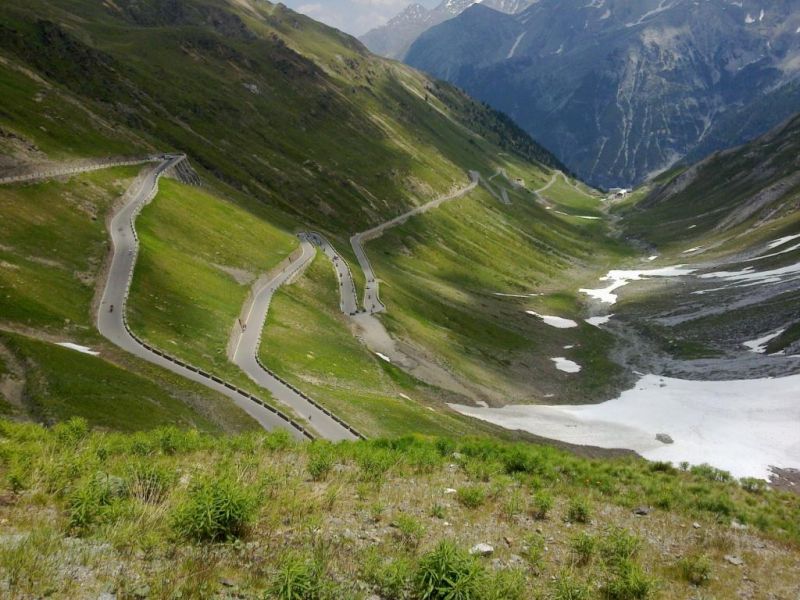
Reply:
x=293, y=126
x=178, y=514
x=734, y=213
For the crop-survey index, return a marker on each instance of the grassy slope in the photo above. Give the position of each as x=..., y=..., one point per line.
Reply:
x=308, y=341
x=676, y=217
x=62, y=383
x=181, y=299
x=441, y=271
x=54, y=243
x=277, y=141
x=361, y=518
x=53, y=232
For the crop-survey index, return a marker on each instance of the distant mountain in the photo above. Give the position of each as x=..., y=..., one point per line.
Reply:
x=395, y=38
x=621, y=89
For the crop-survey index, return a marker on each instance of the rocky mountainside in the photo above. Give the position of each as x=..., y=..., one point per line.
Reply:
x=621, y=89
x=395, y=38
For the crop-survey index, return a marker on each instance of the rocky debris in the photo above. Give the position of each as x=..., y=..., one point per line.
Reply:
x=641, y=511
x=734, y=560
x=449, y=491
x=664, y=438
x=482, y=549
x=696, y=525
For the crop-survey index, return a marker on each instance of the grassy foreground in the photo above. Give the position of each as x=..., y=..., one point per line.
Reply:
x=180, y=514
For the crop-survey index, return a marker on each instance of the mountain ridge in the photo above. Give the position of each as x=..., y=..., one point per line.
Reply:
x=621, y=90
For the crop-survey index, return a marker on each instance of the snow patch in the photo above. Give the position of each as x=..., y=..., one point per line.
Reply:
x=781, y=241
x=597, y=321
x=516, y=45
x=748, y=277
x=557, y=322
x=620, y=278
x=566, y=365
x=515, y=295
x=760, y=345
x=744, y=427
x=383, y=357
x=78, y=348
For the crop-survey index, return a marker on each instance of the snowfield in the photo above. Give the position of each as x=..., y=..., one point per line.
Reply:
x=566, y=365
x=744, y=426
x=621, y=278
x=78, y=348
x=557, y=322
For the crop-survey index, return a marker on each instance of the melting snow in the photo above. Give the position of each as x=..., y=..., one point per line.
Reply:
x=744, y=427
x=516, y=45
x=77, y=348
x=515, y=295
x=748, y=277
x=760, y=345
x=597, y=321
x=383, y=357
x=771, y=254
x=557, y=322
x=566, y=365
x=620, y=278
x=692, y=250
x=781, y=241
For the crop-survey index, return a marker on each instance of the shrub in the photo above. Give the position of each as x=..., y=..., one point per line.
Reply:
x=513, y=505
x=663, y=467
x=88, y=501
x=619, y=545
x=542, y=504
x=423, y=459
x=215, y=510
x=471, y=496
x=150, y=483
x=375, y=462
x=71, y=432
x=521, y=460
x=506, y=584
x=448, y=573
x=695, y=568
x=628, y=581
x=583, y=547
x=445, y=446
x=297, y=579
x=320, y=463
x=754, y=485
x=535, y=550
x=389, y=578
x=408, y=531
x=280, y=439
x=578, y=510
x=566, y=587
x=438, y=511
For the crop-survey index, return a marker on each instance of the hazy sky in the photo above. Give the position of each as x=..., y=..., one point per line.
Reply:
x=353, y=16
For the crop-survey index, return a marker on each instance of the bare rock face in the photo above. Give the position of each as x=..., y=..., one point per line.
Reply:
x=620, y=89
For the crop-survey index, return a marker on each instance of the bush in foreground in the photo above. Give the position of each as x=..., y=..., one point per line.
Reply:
x=448, y=573
x=216, y=509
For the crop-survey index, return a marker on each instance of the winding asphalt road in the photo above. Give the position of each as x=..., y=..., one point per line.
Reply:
x=111, y=320
x=372, y=299
x=245, y=352
x=347, y=289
